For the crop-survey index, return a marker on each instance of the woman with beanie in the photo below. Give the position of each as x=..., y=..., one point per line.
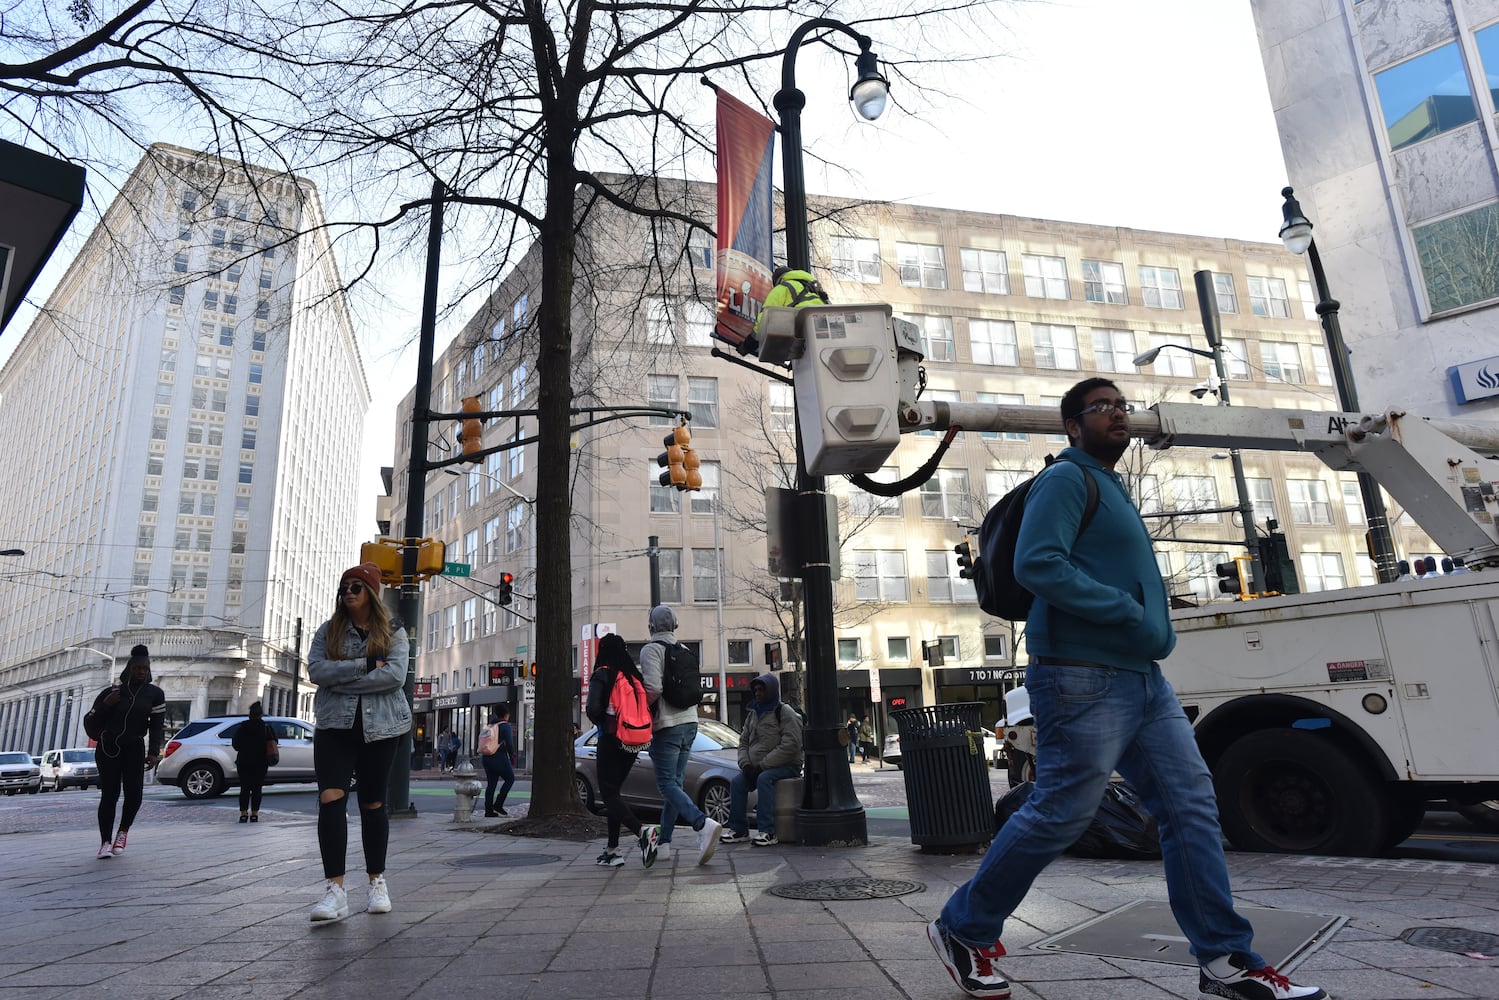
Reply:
x=613, y=665
x=250, y=760
x=358, y=661
x=122, y=715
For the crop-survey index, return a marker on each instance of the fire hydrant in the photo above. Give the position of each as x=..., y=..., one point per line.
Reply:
x=466, y=791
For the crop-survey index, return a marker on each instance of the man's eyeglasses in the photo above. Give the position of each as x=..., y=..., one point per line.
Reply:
x=352, y=587
x=1108, y=408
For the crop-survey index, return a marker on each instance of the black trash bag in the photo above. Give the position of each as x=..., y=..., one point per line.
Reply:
x=1121, y=829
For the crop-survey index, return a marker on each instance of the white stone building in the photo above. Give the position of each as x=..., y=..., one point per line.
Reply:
x=1386, y=112
x=182, y=427
x=1015, y=311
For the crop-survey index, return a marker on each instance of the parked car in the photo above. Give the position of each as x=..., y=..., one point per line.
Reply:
x=993, y=750
x=713, y=762
x=18, y=773
x=73, y=766
x=199, y=759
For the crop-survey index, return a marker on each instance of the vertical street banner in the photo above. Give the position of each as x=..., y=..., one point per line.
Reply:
x=746, y=159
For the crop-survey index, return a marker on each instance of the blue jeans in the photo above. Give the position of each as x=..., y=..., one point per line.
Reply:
x=765, y=804
x=1090, y=722
x=853, y=745
x=669, y=749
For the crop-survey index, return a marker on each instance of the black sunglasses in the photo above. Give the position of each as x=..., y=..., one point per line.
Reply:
x=352, y=587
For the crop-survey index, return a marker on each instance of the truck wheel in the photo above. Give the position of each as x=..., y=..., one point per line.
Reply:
x=1405, y=815
x=1291, y=792
x=1484, y=815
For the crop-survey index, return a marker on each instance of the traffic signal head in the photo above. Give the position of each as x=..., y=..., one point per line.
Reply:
x=430, y=554
x=680, y=461
x=964, y=549
x=507, y=581
x=1231, y=577
x=471, y=433
x=386, y=553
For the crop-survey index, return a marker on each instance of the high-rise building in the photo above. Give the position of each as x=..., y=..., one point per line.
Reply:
x=182, y=424
x=1013, y=310
x=1386, y=117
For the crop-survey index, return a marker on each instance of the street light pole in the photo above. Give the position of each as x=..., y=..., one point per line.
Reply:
x=830, y=812
x=1296, y=233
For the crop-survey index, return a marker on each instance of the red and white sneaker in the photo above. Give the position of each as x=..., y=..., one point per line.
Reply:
x=119, y=844
x=971, y=968
x=1229, y=976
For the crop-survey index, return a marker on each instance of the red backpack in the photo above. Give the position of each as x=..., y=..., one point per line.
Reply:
x=631, y=710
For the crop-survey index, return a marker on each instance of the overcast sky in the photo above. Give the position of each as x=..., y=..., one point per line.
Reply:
x=1150, y=114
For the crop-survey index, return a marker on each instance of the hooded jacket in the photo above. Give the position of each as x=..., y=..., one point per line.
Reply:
x=772, y=738
x=141, y=709
x=663, y=625
x=346, y=686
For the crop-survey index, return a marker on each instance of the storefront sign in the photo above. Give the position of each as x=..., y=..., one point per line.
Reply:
x=423, y=689
x=450, y=700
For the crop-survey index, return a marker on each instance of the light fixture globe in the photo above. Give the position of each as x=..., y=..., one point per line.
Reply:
x=870, y=91
x=1296, y=231
x=1145, y=358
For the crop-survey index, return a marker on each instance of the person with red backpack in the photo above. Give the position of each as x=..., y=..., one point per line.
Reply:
x=619, y=706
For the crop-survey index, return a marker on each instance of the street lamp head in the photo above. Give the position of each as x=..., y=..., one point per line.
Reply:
x=1147, y=357
x=12, y=552
x=1296, y=231
x=871, y=90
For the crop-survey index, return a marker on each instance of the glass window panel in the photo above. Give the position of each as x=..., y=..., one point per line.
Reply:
x=855, y=259
x=1161, y=287
x=1045, y=277
x=1055, y=346
x=1425, y=96
x=922, y=265
x=1103, y=281
x=1223, y=291
x=1114, y=350
x=993, y=342
x=1459, y=260
x=985, y=271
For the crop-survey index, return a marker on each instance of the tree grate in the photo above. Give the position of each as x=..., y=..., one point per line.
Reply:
x=1452, y=939
x=847, y=888
x=503, y=860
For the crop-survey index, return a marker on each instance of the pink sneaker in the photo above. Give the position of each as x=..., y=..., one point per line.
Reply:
x=119, y=844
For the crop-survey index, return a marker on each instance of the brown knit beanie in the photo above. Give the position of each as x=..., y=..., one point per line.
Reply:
x=366, y=573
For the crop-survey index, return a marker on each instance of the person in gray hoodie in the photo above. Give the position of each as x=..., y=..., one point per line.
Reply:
x=673, y=731
x=770, y=750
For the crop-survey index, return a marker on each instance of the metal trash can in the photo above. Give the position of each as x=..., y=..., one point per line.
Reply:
x=947, y=778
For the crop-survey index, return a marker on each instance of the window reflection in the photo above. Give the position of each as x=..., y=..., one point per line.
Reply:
x=1460, y=258
x=1488, y=53
x=1425, y=96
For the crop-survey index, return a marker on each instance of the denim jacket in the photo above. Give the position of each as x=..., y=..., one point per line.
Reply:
x=341, y=684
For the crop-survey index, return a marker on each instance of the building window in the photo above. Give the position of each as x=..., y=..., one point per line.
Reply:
x=515, y=457
x=1267, y=297
x=702, y=250
x=1114, y=350
x=1308, y=299
x=1321, y=571
x=246, y=473
x=922, y=265
x=703, y=500
x=863, y=505
x=936, y=337
x=702, y=401
x=898, y=649
x=945, y=495
x=252, y=406
x=515, y=522
x=1223, y=291
x=661, y=391
x=1353, y=502
x=491, y=539
x=1458, y=261
x=1055, y=346
x=1282, y=362
x=739, y=652
x=1202, y=574
x=993, y=342
x=704, y=575
x=1309, y=501
x=782, y=407
x=1425, y=96
x=1262, y=493
x=880, y=575
x=1161, y=287
x=985, y=271
x=176, y=295
x=517, y=384
x=855, y=259
x=664, y=499
x=669, y=573
x=1236, y=359
x=475, y=486
x=1103, y=281
x=470, y=618
x=698, y=319
x=660, y=329
x=1195, y=493
x=450, y=631
x=848, y=651
x=944, y=586
x=1045, y=277
x=1321, y=365
x=179, y=264
x=145, y=536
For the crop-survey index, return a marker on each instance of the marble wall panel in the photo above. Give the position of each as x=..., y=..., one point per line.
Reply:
x=1392, y=30
x=1445, y=173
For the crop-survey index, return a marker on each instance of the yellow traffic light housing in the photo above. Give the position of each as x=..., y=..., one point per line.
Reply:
x=385, y=553
x=430, y=553
x=680, y=460
x=1235, y=577
x=471, y=432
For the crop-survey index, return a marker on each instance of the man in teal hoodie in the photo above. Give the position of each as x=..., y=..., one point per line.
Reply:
x=1097, y=628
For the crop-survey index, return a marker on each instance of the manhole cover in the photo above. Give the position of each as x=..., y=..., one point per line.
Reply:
x=1452, y=939
x=847, y=888
x=502, y=860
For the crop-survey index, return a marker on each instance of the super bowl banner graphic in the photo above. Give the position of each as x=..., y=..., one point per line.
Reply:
x=746, y=157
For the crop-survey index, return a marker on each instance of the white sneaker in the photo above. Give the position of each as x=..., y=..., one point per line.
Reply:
x=105, y=850
x=1229, y=976
x=379, y=896
x=663, y=852
x=707, y=840
x=119, y=844
x=334, y=905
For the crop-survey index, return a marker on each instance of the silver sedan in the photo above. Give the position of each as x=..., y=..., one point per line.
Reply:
x=713, y=761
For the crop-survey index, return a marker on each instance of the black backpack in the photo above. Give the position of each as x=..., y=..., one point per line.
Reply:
x=681, y=685
x=999, y=593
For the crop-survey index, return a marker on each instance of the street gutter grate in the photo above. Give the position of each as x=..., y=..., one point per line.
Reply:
x=847, y=888
x=502, y=860
x=1456, y=939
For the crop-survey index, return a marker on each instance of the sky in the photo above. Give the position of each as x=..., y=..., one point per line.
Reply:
x=1149, y=114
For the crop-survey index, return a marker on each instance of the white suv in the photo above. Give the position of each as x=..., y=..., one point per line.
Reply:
x=200, y=758
x=18, y=773
x=74, y=766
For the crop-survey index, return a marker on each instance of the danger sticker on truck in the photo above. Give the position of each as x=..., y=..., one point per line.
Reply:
x=1342, y=671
